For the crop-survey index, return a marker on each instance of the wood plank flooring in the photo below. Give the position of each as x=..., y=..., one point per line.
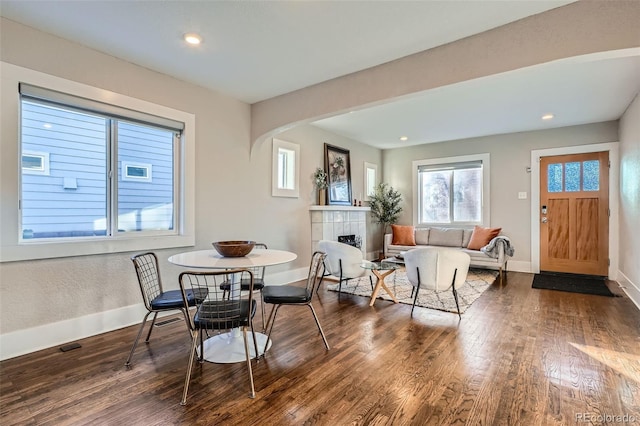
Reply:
x=519, y=356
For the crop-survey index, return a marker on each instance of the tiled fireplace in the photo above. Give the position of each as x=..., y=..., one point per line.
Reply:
x=330, y=222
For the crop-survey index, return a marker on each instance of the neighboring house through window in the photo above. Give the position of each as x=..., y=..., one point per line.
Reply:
x=95, y=171
x=452, y=191
x=87, y=168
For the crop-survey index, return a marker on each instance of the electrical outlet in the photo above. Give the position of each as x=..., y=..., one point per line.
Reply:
x=522, y=195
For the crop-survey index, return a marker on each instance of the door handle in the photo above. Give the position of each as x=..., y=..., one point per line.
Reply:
x=544, y=219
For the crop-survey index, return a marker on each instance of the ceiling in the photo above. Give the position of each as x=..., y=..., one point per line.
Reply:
x=255, y=50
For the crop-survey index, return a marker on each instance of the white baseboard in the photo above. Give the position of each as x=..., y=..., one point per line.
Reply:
x=519, y=266
x=29, y=340
x=45, y=336
x=632, y=290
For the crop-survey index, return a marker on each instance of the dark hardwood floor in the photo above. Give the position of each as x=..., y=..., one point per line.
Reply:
x=519, y=356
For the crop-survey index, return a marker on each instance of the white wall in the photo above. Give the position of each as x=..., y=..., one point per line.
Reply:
x=630, y=197
x=510, y=157
x=576, y=29
x=67, y=298
x=313, y=139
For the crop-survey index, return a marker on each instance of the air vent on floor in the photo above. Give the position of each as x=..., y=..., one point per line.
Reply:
x=167, y=322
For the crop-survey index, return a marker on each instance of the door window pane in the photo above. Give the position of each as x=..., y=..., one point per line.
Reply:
x=572, y=177
x=554, y=177
x=591, y=175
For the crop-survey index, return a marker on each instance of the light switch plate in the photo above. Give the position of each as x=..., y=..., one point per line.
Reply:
x=522, y=195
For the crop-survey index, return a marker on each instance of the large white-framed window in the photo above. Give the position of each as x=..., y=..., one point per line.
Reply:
x=73, y=196
x=88, y=141
x=452, y=191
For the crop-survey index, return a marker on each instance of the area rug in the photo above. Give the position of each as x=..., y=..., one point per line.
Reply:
x=584, y=284
x=478, y=280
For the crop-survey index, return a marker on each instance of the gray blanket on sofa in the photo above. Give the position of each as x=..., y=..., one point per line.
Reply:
x=492, y=249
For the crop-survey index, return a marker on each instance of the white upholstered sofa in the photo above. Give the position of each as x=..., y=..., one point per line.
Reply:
x=456, y=238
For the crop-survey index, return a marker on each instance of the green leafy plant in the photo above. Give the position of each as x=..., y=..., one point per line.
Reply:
x=385, y=206
x=320, y=179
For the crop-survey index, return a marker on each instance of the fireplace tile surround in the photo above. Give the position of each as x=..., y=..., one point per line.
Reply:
x=329, y=222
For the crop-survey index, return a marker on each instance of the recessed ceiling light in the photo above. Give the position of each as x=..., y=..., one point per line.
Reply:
x=193, y=38
x=47, y=125
x=547, y=116
x=404, y=138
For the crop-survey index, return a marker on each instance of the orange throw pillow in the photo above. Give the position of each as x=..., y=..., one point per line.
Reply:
x=403, y=235
x=481, y=237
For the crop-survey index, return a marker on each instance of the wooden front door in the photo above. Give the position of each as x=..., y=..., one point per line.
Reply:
x=574, y=213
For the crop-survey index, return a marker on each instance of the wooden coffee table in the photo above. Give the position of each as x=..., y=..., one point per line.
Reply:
x=381, y=270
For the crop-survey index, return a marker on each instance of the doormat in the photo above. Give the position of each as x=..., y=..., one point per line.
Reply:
x=585, y=284
x=478, y=281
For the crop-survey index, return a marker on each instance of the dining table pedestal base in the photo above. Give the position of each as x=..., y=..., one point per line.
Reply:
x=228, y=348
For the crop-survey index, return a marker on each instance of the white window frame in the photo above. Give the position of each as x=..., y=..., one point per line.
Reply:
x=486, y=186
x=285, y=171
x=124, y=166
x=370, y=179
x=45, y=163
x=11, y=246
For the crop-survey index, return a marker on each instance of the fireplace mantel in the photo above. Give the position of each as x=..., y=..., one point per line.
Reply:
x=338, y=208
x=329, y=222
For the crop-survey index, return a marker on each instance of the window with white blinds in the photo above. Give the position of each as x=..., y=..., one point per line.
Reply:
x=452, y=191
x=90, y=169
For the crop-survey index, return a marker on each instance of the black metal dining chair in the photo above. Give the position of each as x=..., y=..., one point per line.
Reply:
x=155, y=298
x=219, y=310
x=258, y=282
x=280, y=295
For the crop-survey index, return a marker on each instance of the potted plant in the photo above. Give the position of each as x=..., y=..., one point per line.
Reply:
x=385, y=206
x=321, y=183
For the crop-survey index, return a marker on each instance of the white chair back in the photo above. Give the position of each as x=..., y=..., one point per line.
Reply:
x=436, y=266
x=350, y=256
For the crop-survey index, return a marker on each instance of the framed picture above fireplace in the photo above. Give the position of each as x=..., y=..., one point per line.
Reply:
x=337, y=163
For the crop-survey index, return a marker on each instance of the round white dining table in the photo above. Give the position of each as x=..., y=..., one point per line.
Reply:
x=229, y=347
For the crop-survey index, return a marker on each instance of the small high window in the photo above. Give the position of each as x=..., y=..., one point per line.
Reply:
x=35, y=163
x=136, y=172
x=285, y=169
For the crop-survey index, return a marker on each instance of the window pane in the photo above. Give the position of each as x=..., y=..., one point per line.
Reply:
x=76, y=144
x=591, y=175
x=572, y=177
x=286, y=168
x=554, y=178
x=435, y=196
x=140, y=172
x=145, y=204
x=371, y=181
x=32, y=162
x=467, y=195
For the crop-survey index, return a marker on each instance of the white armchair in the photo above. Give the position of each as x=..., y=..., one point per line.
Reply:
x=437, y=269
x=343, y=262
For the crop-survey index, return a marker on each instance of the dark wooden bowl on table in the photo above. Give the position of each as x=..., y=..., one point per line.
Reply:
x=234, y=248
